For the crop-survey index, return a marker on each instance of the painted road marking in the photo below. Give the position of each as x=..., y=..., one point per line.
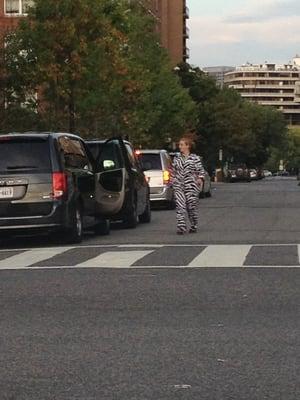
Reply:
x=222, y=256
x=212, y=256
x=31, y=257
x=115, y=259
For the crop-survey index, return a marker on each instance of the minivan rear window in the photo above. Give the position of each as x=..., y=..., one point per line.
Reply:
x=23, y=154
x=150, y=161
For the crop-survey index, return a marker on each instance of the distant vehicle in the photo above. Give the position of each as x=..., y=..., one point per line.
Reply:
x=238, y=172
x=260, y=173
x=206, y=188
x=254, y=174
x=117, y=157
x=267, y=173
x=48, y=182
x=157, y=165
x=282, y=173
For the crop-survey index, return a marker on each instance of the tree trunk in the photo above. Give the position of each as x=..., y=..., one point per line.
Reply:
x=72, y=124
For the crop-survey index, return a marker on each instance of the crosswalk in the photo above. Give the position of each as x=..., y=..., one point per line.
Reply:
x=152, y=256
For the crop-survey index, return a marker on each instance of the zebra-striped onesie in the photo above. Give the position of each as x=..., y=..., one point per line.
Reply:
x=186, y=173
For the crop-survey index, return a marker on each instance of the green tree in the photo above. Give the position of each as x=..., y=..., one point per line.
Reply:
x=245, y=132
x=98, y=68
x=269, y=129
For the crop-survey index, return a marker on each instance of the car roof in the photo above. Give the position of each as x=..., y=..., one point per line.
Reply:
x=102, y=141
x=152, y=151
x=42, y=135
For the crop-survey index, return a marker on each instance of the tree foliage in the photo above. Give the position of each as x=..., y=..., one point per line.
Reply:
x=289, y=153
x=246, y=132
x=98, y=69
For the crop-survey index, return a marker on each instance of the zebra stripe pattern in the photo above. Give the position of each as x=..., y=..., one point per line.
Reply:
x=186, y=172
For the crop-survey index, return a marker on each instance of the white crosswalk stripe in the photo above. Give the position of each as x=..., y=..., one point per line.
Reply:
x=114, y=259
x=222, y=256
x=30, y=257
x=126, y=256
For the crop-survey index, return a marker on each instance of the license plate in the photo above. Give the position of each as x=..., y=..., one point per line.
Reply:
x=6, y=193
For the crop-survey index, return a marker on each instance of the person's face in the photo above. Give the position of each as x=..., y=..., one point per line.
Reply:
x=184, y=147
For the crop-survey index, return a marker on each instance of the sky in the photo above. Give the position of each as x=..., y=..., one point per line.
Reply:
x=233, y=32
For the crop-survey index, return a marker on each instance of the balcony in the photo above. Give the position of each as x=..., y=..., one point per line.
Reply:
x=186, y=53
x=186, y=32
x=186, y=12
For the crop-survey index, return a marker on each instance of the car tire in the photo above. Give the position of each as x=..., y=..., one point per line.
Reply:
x=102, y=228
x=75, y=233
x=145, y=218
x=131, y=219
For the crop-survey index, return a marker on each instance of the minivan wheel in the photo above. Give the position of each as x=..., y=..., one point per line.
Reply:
x=131, y=219
x=102, y=227
x=74, y=233
x=145, y=218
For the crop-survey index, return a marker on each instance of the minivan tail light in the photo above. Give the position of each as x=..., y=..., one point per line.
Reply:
x=166, y=177
x=59, y=185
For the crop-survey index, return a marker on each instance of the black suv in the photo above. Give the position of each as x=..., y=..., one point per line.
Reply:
x=116, y=157
x=48, y=181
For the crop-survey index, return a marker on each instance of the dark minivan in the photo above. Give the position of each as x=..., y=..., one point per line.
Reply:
x=117, y=157
x=49, y=182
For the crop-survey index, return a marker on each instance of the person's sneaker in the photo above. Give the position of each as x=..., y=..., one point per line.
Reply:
x=180, y=232
x=193, y=230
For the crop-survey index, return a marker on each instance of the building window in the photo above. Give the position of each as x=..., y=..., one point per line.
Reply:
x=17, y=7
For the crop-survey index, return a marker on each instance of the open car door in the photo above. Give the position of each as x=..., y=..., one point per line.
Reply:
x=110, y=178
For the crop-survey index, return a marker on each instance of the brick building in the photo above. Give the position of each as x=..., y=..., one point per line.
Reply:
x=172, y=18
x=10, y=13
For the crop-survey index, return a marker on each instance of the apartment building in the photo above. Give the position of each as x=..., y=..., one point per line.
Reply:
x=172, y=16
x=270, y=85
x=218, y=73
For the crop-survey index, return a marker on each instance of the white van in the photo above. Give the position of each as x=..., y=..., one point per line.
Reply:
x=157, y=166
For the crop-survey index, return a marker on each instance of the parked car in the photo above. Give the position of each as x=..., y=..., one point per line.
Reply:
x=253, y=174
x=206, y=188
x=117, y=157
x=157, y=165
x=238, y=172
x=48, y=182
x=260, y=173
x=282, y=173
x=267, y=173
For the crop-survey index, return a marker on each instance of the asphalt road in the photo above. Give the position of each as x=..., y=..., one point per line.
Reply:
x=160, y=333
x=264, y=212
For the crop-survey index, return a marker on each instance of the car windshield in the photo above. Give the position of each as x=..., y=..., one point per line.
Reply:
x=18, y=154
x=150, y=161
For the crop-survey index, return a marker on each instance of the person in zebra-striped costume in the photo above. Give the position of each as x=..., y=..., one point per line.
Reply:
x=187, y=180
